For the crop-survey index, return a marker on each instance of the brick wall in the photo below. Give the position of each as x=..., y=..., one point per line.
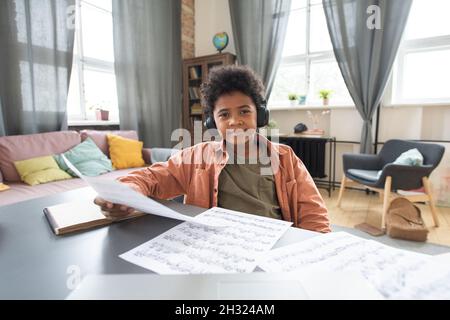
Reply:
x=187, y=28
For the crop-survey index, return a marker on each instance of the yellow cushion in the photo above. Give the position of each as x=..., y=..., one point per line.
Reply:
x=125, y=153
x=40, y=170
x=3, y=187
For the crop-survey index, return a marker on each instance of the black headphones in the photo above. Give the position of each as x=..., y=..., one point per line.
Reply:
x=262, y=117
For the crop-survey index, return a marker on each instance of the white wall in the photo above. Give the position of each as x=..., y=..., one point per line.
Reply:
x=436, y=122
x=211, y=17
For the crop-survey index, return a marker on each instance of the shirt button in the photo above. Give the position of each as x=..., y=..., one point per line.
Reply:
x=215, y=190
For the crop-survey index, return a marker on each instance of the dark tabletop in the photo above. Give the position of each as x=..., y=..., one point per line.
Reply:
x=37, y=264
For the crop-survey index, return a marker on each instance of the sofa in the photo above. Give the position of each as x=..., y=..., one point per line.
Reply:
x=15, y=148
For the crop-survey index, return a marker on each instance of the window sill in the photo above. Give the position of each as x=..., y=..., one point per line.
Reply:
x=305, y=108
x=93, y=123
x=417, y=104
x=337, y=107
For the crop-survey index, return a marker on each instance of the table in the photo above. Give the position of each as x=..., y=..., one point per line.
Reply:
x=36, y=264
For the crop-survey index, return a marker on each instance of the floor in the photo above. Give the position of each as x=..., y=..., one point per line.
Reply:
x=358, y=207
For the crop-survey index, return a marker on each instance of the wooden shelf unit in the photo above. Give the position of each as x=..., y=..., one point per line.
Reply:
x=195, y=72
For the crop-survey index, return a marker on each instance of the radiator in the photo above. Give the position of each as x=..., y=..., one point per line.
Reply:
x=311, y=151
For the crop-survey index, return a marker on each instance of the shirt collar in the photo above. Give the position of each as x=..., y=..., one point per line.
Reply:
x=273, y=149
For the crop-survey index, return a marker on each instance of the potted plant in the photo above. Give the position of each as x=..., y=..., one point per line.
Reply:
x=325, y=96
x=293, y=97
x=101, y=111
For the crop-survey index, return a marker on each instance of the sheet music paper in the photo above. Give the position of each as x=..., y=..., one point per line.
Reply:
x=443, y=258
x=189, y=248
x=395, y=273
x=116, y=192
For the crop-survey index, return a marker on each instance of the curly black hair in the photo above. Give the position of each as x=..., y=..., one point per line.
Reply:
x=227, y=79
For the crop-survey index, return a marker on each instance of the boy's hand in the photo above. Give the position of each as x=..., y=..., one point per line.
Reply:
x=113, y=210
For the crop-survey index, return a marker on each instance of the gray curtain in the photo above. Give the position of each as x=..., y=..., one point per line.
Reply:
x=147, y=51
x=364, y=52
x=36, y=50
x=259, y=30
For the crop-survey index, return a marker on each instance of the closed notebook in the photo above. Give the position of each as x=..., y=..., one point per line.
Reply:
x=76, y=216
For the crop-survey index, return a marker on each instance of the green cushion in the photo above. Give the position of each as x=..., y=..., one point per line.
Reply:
x=40, y=170
x=87, y=158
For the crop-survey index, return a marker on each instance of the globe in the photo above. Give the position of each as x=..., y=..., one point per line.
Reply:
x=220, y=41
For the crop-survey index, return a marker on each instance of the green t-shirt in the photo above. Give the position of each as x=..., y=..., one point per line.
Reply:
x=243, y=188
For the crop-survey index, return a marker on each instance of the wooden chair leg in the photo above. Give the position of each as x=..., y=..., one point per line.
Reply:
x=428, y=191
x=386, y=193
x=381, y=195
x=341, y=191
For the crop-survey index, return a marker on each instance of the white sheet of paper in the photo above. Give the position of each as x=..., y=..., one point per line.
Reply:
x=395, y=273
x=189, y=248
x=323, y=284
x=316, y=285
x=116, y=192
x=443, y=258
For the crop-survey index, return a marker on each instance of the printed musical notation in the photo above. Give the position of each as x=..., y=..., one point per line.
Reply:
x=195, y=248
x=395, y=273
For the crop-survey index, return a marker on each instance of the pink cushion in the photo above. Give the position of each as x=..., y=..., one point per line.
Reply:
x=100, y=139
x=14, y=148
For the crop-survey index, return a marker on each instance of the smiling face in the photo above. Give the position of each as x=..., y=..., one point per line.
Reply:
x=235, y=117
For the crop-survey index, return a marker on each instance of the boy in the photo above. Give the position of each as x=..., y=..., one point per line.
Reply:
x=235, y=173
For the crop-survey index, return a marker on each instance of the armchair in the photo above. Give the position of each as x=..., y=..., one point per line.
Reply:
x=364, y=169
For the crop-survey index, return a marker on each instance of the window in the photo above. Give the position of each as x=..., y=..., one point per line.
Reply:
x=422, y=69
x=93, y=83
x=308, y=64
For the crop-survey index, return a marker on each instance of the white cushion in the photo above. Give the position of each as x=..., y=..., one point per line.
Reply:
x=411, y=157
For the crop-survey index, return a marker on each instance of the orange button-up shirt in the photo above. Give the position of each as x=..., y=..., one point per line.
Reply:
x=194, y=172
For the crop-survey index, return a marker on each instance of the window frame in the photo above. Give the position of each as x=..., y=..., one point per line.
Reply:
x=307, y=58
x=83, y=63
x=394, y=89
x=428, y=44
